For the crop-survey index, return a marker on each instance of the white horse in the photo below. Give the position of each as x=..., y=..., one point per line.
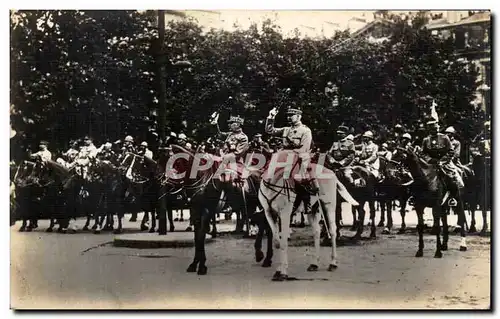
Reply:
x=277, y=194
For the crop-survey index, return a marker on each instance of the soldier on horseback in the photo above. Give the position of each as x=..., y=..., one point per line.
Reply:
x=258, y=145
x=144, y=151
x=297, y=138
x=43, y=154
x=437, y=149
x=369, y=154
x=342, y=151
x=236, y=143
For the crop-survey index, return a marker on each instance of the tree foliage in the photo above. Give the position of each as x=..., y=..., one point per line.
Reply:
x=92, y=72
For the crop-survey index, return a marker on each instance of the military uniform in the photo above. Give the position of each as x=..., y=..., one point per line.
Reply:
x=236, y=143
x=44, y=155
x=297, y=137
x=342, y=152
x=438, y=149
x=369, y=157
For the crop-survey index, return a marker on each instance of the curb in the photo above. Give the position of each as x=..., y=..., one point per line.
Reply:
x=142, y=241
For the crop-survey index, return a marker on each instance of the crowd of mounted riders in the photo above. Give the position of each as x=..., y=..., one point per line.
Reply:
x=348, y=151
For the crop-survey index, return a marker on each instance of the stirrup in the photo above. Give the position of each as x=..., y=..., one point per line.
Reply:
x=452, y=202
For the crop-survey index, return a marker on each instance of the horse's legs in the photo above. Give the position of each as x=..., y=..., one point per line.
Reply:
x=170, y=216
x=420, y=229
x=23, y=226
x=327, y=211
x=51, y=226
x=355, y=222
x=373, y=230
x=119, y=216
x=200, y=241
x=145, y=220
x=436, y=228
x=153, y=221
x=133, y=218
x=484, y=229
x=338, y=217
x=198, y=227
x=361, y=222
x=87, y=223
x=282, y=272
x=182, y=215
x=313, y=219
x=259, y=255
x=383, y=204
x=461, y=222
x=472, y=210
x=269, y=253
x=402, y=212
x=444, y=245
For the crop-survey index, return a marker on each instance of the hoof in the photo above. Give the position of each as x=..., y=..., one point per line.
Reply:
x=189, y=228
x=259, y=255
x=176, y=219
x=117, y=231
x=267, y=263
x=172, y=229
x=381, y=224
x=386, y=231
x=94, y=227
x=85, y=228
x=438, y=254
x=62, y=231
x=312, y=267
x=181, y=219
x=22, y=229
x=49, y=230
x=373, y=235
x=278, y=276
x=202, y=270
x=463, y=248
x=444, y=247
x=419, y=253
x=191, y=268
x=152, y=230
x=29, y=229
x=97, y=231
x=144, y=227
x=332, y=267
x=472, y=229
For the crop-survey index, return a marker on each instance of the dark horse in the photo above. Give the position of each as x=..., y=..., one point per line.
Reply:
x=393, y=187
x=208, y=198
x=360, y=183
x=428, y=190
x=478, y=192
x=39, y=193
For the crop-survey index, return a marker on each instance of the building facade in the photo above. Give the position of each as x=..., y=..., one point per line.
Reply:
x=471, y=34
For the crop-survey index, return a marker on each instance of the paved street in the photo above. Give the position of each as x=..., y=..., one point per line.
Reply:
x=83, y=270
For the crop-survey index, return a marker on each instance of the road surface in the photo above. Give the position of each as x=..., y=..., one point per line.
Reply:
x=83, y=270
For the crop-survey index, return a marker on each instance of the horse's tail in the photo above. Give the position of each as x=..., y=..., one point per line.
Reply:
x=345, y=194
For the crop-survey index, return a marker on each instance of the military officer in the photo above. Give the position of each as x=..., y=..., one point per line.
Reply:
x=236, y=142
x=384, y=152
x=341, y=154
x=89, y=150
x=297, y=138
x=437, y=149
x=258, y=145
x=369, y=153
x=43, y=154
x=144, y=151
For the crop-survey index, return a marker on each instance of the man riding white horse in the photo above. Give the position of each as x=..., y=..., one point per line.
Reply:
x=297, y=138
